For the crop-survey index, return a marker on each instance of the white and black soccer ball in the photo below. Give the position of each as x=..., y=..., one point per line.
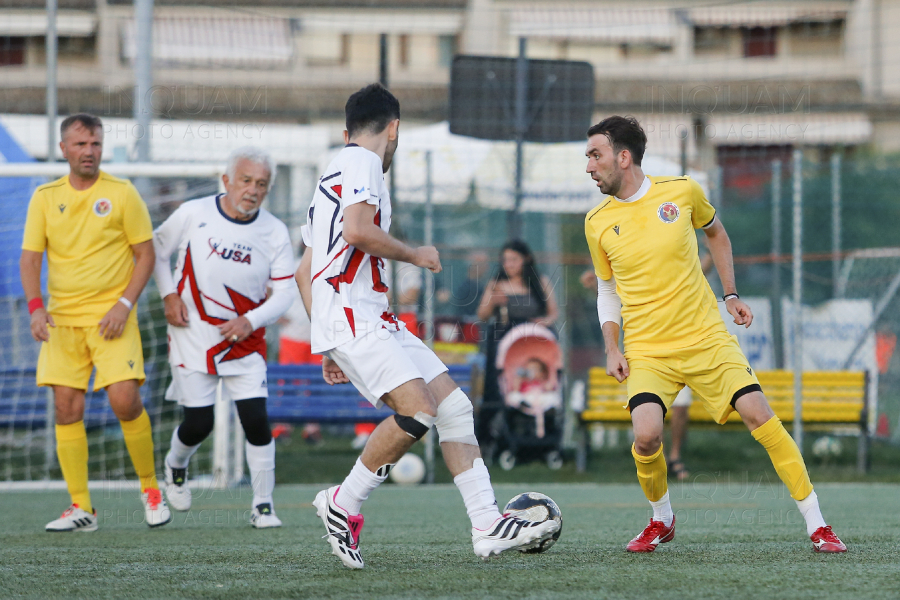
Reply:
x=534, y=506
x=410, y=469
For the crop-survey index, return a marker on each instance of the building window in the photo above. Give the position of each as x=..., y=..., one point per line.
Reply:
x=403, y=50
x=447, y=48
x=759, y=41
x=12, y=51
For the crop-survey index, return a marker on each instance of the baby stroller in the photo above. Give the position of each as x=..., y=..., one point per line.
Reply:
x=529, y=362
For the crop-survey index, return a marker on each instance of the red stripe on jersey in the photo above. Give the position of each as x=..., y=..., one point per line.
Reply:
x=282, y=278
x=330, y=261
x=350, y=319
x=349, y=272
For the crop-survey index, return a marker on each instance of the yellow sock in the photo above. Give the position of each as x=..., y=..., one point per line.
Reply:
x=139, y=440
x=72, y=451
x=785, y=456
x=651, y=472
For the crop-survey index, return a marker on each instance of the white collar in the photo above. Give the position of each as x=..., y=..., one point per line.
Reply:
x=640, y=193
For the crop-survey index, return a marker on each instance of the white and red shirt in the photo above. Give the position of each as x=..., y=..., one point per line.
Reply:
x=224, y=267
x=349, y=293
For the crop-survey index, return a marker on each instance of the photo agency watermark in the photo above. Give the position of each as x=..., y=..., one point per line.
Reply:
x=181, y=101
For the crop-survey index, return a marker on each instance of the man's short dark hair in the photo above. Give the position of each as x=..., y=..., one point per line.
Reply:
x=372, y=108
x=624, y=133
x=90, y=122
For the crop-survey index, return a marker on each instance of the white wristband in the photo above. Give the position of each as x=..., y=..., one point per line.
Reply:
x=126, y=302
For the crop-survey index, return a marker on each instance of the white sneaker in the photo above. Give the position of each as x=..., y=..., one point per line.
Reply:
x=177, y=492
x=510, y=533
x=263, y=517
x=156, y=512
x=74, y=518
x=359, y=442
x=342, y=529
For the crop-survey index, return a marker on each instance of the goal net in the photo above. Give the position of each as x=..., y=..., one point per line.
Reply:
x=27, y=438
x=874, y=274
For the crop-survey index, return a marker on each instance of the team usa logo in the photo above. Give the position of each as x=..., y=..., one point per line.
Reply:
x=239, y=253
x=102, y=207
x=668, y=212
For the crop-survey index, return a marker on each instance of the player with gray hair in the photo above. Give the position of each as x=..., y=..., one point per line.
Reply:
x=229, y=252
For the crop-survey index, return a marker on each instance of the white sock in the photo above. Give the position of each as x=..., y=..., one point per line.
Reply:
x=478, y=495
x=179, y=453
x=662, y=510
x=261, y=460
x=809, y=508
x=357, y=486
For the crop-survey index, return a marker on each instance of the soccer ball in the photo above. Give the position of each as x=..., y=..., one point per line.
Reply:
x=826, y=447
x=410, y=469
x=535, y=506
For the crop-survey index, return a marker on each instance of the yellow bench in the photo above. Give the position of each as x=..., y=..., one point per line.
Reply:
x=830, y=398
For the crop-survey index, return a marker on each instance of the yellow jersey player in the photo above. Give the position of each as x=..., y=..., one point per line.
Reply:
x=97, y=234
x=644, y=250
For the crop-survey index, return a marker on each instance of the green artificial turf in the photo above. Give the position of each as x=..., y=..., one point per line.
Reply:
x=737, y=537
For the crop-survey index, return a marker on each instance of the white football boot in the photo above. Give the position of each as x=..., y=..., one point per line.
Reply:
x=342, y=529
x=262, y=516
x=74, y=518
x=177, y=492
x=156, y=513
x=510, y=533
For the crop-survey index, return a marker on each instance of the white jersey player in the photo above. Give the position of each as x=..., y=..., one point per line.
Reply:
x=230, y=253
x=341, y=279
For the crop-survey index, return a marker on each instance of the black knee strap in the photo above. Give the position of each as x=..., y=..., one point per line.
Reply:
x=255, y=420
x=411, y=426
x=645, y=398
x=197, y=424
x=748, y=389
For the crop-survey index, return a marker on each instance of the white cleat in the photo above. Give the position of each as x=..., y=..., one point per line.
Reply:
x=263, y=517
x=510, y=533
x=177, y=492
x=342, y=529
x=74, y=518
x=156, y=513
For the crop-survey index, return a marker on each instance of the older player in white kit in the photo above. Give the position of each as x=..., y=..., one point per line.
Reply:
x=229, y=252
x=341, y=279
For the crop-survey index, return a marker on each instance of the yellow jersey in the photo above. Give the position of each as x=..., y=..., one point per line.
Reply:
x=650, y=246
x=88, y=236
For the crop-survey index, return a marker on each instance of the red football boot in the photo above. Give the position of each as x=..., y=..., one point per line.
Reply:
x=654, y=534
x=824, y=540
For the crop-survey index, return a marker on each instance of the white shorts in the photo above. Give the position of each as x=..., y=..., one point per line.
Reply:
x=195, y=389
x=381, y=361
x=684, y=397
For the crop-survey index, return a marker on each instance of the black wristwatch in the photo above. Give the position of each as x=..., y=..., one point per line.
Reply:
x=728, y=297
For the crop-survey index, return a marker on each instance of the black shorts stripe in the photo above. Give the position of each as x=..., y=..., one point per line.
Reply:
x=753, y=387
x=645, y=398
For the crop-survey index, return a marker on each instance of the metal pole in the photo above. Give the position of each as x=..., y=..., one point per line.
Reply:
x=836, y=221
x=52, y=51
x=383, y=60
x=776, y=263
x=429, y=302
x=143, y=75
x=222, y=417
x=797, y=345
x=521, y=126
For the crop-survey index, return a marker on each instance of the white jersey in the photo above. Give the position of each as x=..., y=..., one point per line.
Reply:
x=349, y=293
x=224, y=267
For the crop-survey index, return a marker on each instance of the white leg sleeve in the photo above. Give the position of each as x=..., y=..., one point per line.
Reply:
x=261, y=460
x=455, y=419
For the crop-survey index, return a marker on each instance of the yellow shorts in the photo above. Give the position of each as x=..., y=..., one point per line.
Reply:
x=73, y=352
x=715, y=369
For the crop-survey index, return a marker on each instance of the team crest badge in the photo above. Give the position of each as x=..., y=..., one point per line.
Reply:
x=102, y=207
x=668, y=212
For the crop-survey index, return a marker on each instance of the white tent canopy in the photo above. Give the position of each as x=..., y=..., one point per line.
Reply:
x=463, y=167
